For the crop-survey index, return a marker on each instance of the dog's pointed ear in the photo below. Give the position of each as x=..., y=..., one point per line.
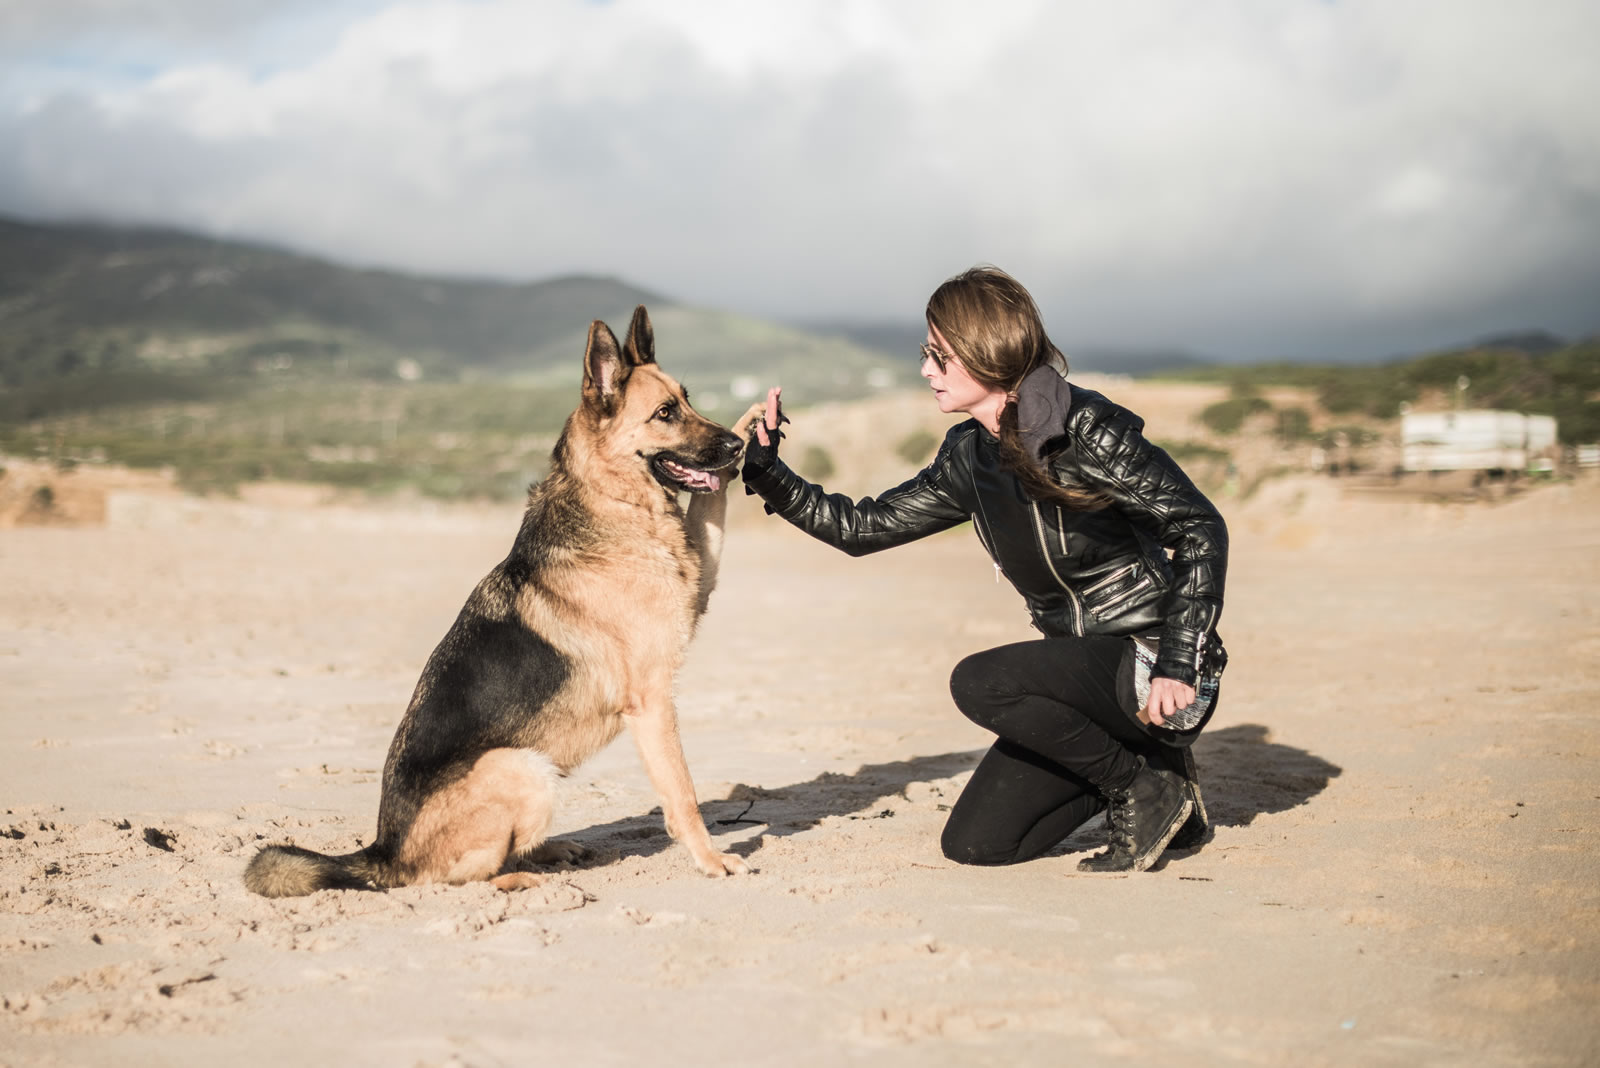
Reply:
x=603, y=370
x=640, y=347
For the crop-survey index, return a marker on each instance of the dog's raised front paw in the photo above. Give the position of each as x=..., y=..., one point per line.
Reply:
x=745, y=425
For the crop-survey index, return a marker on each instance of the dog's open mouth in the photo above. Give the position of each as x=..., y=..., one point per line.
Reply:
x=675, y=475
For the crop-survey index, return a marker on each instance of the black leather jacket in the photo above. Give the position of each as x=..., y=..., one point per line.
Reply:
x=1082, y=572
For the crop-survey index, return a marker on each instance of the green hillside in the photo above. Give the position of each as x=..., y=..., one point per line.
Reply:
x=229, y=362
x=81, y=298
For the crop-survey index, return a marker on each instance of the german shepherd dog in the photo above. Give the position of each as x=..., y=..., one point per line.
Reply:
x=580, y=630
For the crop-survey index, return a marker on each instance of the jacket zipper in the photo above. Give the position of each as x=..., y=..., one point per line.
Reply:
x=1044, y=549
x=993, y=559
x=1090, y=591
x=1132, y=591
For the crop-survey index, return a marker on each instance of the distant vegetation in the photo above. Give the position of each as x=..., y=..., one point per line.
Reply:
x=81, y=298
x=1228, y=416
x=1561, y=381
x=917, y=447
x=816, y=463
x=82, y=301
x=447, y=440
x=230, y=362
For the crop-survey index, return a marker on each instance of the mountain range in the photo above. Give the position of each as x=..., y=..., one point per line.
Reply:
x=153, y=308
x=93, y=314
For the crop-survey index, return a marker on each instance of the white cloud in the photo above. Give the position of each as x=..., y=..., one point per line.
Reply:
x=1240, y=176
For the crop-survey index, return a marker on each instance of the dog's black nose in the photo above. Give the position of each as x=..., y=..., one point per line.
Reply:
x=729, y=445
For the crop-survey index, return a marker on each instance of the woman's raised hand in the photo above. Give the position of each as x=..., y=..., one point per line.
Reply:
x=773, y=418
x=762, y=453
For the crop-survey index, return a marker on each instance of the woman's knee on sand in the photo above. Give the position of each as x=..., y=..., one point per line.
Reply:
x=964, y=842
x=978, y=687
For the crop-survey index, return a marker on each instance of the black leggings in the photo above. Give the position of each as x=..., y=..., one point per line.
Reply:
x=1064, y=738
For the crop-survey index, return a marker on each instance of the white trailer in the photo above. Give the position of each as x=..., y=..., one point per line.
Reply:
x=1479, y=440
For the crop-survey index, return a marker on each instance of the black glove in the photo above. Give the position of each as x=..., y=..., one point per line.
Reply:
x=759, y=458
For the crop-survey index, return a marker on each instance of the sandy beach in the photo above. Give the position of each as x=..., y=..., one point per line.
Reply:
x=1403, y=777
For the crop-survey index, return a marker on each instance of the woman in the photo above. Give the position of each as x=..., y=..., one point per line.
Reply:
x=1079, y=511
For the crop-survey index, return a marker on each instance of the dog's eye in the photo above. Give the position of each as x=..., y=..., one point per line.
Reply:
x=666, y=412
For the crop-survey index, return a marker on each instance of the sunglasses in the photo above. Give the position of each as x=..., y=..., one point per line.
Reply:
x=940, y=359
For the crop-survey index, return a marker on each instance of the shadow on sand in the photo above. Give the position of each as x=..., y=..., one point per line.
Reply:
x=781, y=811
x=1244, y=773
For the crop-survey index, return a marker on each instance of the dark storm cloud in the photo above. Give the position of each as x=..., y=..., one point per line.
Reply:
x=1248, y=179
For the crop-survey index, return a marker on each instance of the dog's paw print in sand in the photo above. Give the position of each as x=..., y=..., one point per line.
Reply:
x=907, y=1024
x=629, y=915
x=476, y=907
x=326, y=774
x=132, y=996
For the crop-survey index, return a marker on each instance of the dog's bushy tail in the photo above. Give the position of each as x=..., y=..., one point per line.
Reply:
x=289, y=871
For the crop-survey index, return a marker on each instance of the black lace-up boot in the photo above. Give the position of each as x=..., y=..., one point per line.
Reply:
x=1143, y=818
x=1196, y=830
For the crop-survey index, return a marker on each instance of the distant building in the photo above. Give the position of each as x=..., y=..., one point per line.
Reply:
x=1479, y=440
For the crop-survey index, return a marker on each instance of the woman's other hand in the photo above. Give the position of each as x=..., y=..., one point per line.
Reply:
x=1167, y=696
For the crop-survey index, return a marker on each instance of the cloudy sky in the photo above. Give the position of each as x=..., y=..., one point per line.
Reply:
x=1244, y=178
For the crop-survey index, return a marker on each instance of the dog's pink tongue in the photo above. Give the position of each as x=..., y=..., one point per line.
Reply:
x=709, y=479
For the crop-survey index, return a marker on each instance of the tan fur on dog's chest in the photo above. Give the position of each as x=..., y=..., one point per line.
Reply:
x=639, y=607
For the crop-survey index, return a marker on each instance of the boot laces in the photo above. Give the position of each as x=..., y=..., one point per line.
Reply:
x=1120, y=818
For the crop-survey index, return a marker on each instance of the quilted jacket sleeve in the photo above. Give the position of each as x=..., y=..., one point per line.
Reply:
x=926, y=504
x=1148, y=487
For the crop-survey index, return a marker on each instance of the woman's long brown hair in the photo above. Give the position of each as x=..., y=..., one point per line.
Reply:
x=994, y=328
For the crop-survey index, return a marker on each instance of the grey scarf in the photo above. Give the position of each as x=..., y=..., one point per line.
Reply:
x=1043, y=401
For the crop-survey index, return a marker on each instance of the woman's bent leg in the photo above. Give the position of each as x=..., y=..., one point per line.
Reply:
x=1016, y=807
x=1057, y=698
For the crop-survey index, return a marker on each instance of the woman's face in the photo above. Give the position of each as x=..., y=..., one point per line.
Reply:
x=957, y=391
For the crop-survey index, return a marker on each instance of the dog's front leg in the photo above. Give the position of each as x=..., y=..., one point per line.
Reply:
x=707, y=515
x=654, y=725
x=703, y=525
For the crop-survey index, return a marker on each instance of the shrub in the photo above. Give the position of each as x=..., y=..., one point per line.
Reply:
x=1375, y=391
x=816, y=464
x=1227, y=416
x=916, y=447
x=1294, y=425
x=1354, y=436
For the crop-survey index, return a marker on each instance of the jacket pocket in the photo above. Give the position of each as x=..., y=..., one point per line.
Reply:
x=1109, y=595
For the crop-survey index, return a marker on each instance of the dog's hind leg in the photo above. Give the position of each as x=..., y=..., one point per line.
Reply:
x=654, y=724
x=494, y=814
